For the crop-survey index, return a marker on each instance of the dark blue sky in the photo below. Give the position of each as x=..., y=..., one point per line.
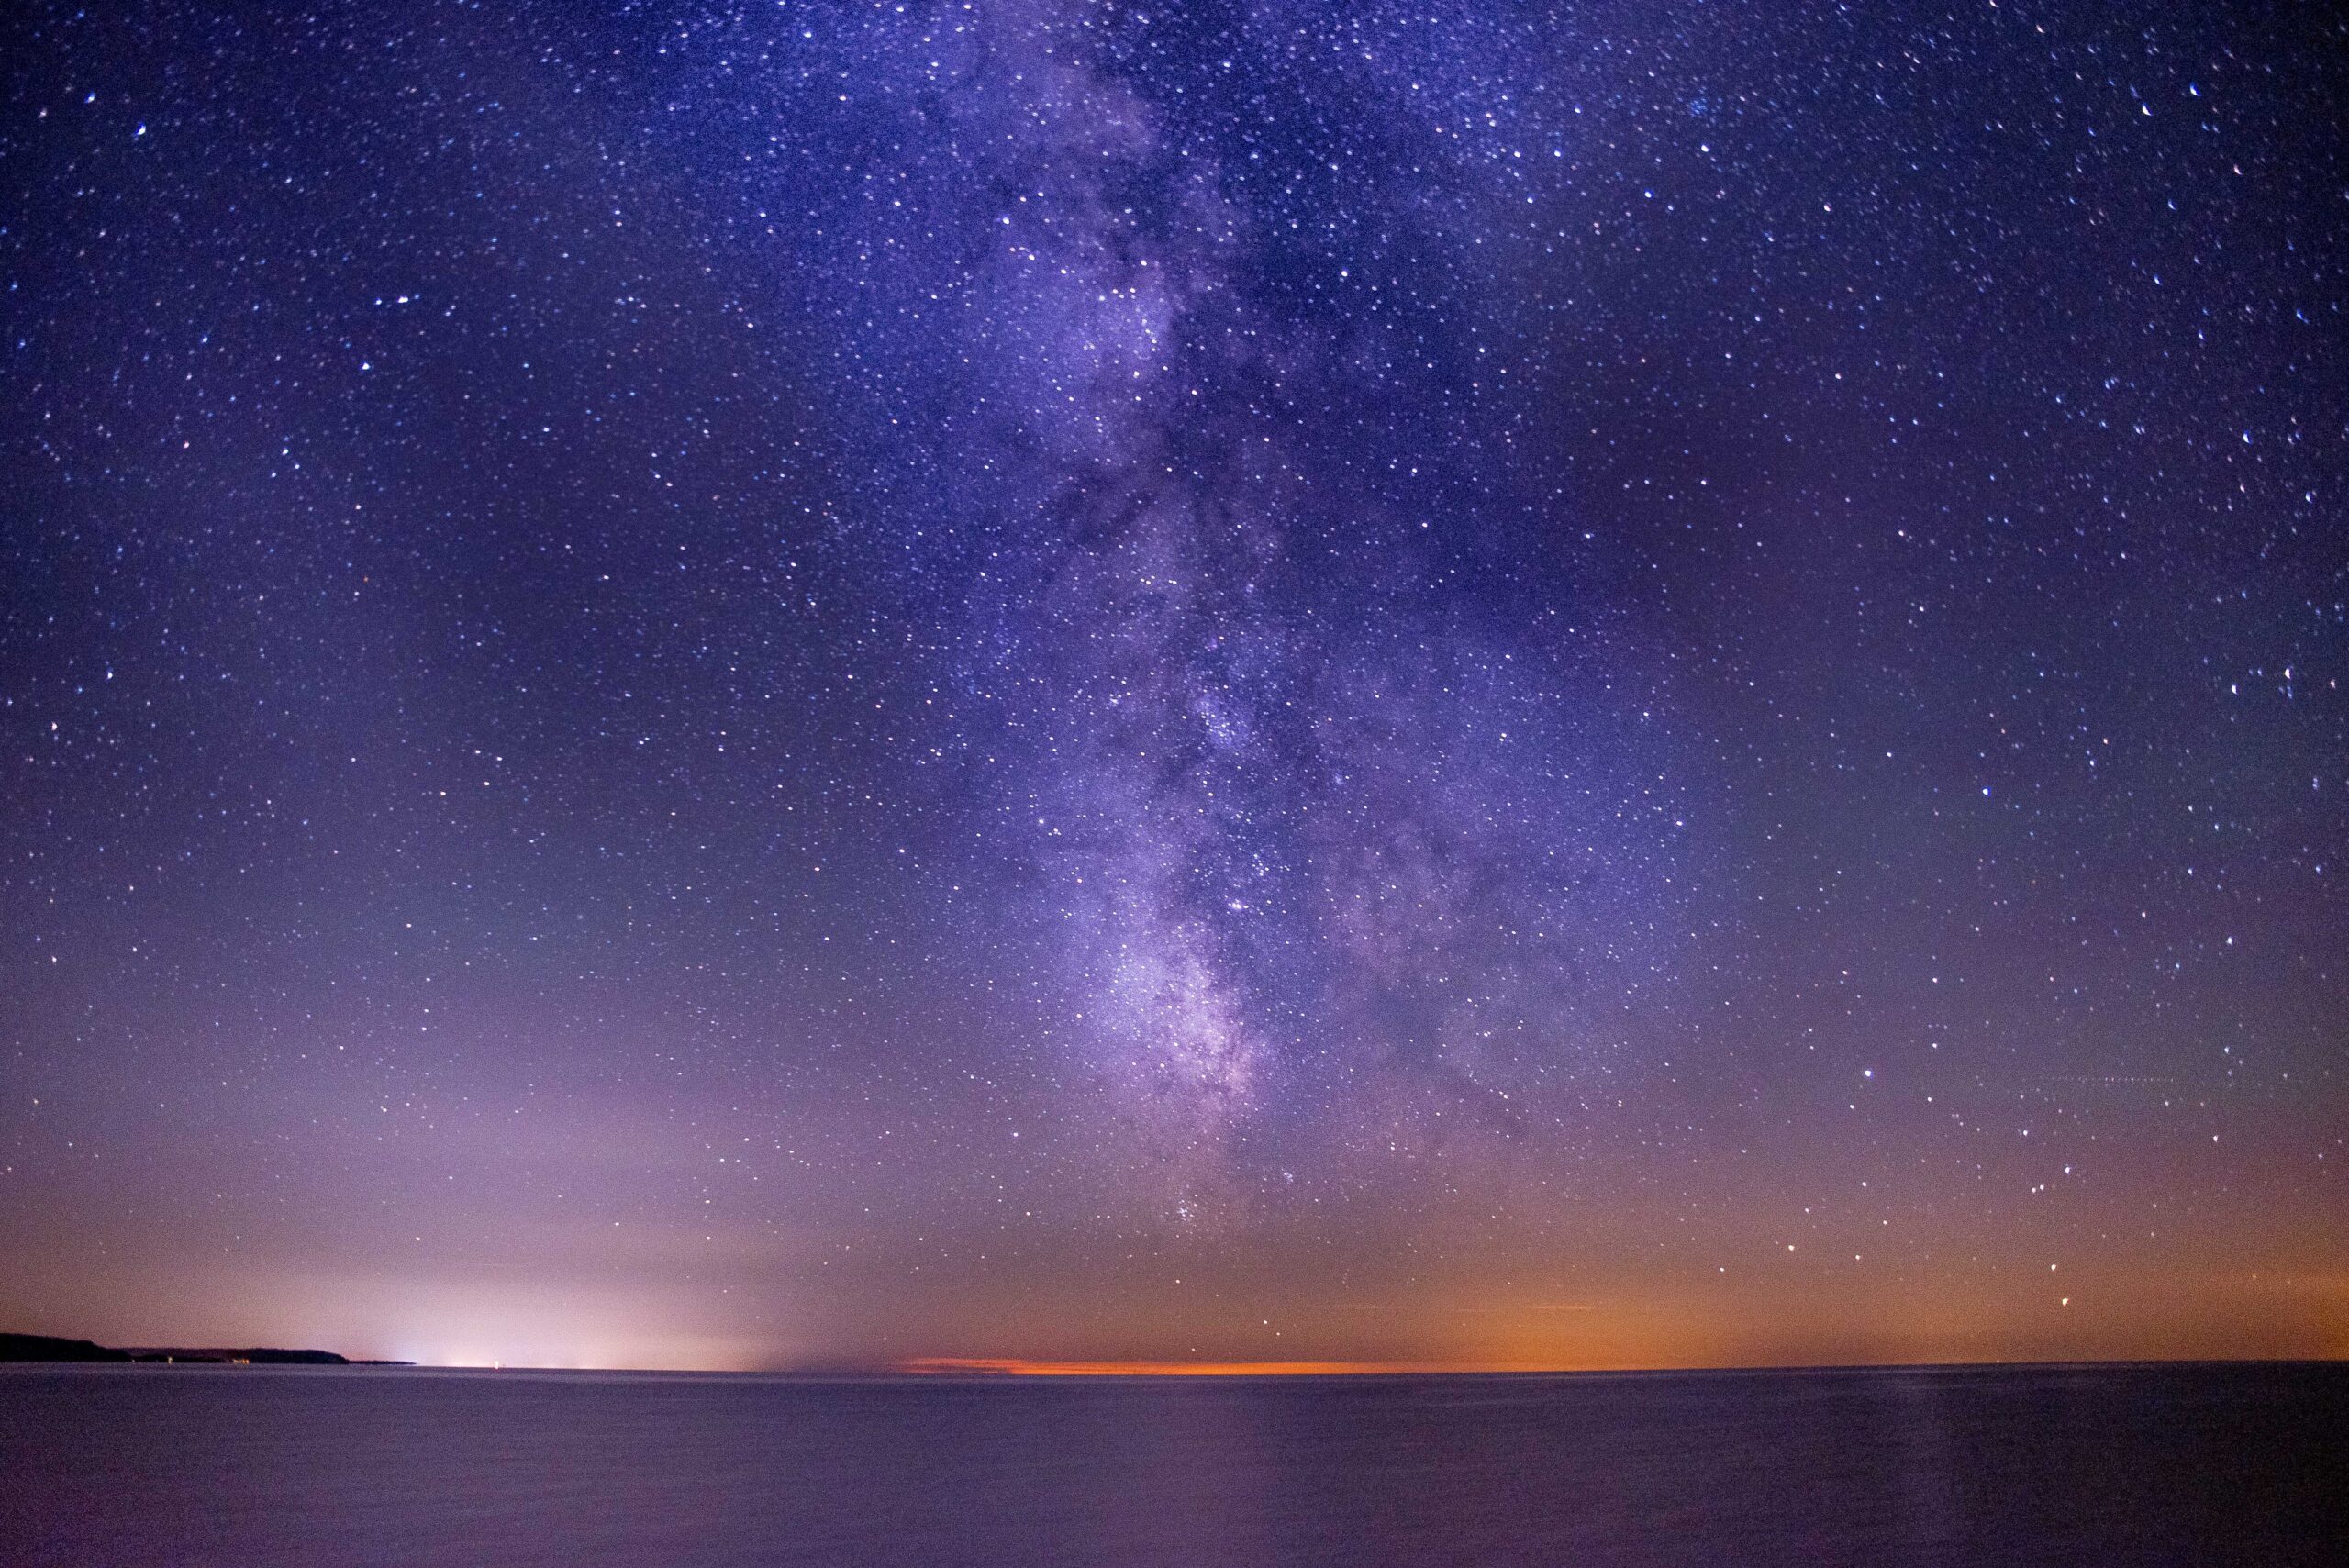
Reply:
x=1483, y=684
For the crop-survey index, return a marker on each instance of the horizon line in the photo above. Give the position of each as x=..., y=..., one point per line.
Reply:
x=1017, y=1366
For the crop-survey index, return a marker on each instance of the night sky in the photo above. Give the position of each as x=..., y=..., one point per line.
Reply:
x=1479, y=683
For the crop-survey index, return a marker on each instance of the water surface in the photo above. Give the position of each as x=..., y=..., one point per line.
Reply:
x=195, y=1466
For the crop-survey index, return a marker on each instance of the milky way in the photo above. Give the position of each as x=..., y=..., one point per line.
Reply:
x=1311, y=804
x=1490, y=683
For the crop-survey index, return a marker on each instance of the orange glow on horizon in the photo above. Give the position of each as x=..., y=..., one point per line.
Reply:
x=1013, y=1366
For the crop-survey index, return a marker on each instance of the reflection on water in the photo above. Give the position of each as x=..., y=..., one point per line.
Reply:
x=2075, y=1465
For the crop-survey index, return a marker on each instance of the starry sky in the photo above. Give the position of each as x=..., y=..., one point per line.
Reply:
x=1503, y=684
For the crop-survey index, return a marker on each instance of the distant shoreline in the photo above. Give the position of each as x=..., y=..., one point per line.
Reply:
x=48, y=1349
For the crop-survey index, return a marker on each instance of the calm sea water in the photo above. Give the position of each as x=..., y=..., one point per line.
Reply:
x=2198, y=1465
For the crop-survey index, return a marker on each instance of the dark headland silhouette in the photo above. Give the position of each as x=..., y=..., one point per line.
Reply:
x=47, y=1348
